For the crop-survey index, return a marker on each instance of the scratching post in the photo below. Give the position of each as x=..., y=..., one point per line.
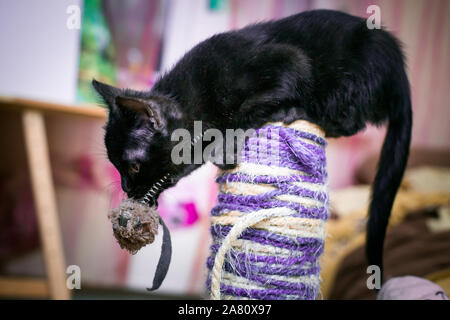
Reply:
x=268, y=224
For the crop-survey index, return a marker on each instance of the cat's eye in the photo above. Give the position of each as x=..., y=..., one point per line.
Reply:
x=134, y=167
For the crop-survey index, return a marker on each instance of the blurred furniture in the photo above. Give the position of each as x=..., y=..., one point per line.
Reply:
x=32, y=115
x=417, y=241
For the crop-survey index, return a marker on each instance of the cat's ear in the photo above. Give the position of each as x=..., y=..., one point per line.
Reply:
x=146, y=108
x=107, y=92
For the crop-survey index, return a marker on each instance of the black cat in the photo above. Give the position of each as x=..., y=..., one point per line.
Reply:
x=323, y=66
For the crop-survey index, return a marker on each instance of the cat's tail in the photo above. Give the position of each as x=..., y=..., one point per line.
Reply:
x=391, y=166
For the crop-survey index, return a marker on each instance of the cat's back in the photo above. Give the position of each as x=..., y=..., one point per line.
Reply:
x=314, y=32
x=305, y=28
x=332, y=40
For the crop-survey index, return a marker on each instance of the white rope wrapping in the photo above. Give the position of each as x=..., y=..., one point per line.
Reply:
x=233, y=278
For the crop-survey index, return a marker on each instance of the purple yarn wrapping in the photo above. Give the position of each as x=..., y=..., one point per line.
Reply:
x=265, y=270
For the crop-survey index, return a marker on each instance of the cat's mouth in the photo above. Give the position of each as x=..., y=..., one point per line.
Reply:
x=150, y=196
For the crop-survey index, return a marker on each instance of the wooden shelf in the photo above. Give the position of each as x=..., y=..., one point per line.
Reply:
x=34, y=115
x=17, y=287
x=19, y=104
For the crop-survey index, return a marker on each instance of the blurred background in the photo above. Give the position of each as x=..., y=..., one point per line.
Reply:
x=51, y=50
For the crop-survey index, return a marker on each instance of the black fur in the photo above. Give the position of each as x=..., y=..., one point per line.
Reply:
x=323, y=66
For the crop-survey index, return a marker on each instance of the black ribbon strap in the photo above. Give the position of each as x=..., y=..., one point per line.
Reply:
x=164, y=259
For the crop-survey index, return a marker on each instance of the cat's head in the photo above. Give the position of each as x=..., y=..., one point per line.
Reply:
x=137, y=137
